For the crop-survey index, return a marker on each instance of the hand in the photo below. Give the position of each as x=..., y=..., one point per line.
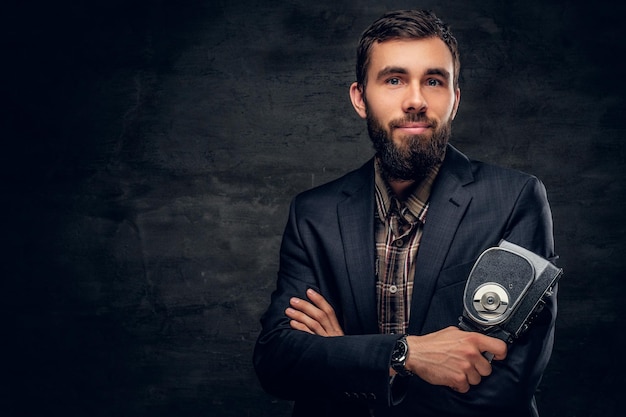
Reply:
x=453, y=357
x=315, y=317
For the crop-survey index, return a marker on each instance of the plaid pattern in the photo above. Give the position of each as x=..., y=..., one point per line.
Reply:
x=399, y=226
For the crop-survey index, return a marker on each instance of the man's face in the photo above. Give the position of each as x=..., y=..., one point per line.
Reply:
x=409, y=103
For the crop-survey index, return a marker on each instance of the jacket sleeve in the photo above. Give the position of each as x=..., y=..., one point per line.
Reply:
x=530, y=226
x=514, y=380
x=292, y=364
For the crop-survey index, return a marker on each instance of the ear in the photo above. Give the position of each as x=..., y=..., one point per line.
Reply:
x=357, y=95
x=457, y=100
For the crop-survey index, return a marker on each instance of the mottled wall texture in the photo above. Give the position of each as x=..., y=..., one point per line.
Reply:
x=150, y=150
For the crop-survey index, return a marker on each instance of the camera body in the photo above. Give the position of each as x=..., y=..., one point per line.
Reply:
x=505, y=291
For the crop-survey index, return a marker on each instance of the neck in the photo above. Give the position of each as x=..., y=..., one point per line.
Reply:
x=401, y=188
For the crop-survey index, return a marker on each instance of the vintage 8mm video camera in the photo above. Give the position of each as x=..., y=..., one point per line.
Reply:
x=506, y=289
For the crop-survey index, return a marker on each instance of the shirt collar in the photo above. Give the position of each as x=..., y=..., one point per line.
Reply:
x=416, y=202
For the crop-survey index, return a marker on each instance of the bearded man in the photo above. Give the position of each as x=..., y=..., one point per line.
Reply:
x=373, y=265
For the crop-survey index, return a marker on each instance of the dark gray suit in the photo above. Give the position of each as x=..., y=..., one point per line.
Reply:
x=328, y=245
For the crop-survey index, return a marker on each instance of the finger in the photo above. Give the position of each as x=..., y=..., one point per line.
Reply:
x=296, y=325
x=474, y=377
x=311, y=310
x=318, y=300
x=461, y=387
x=331, y=317
x=322, y=323
x=496, y=347
x=327, y=320
x=483, y=367
x=305, y=320
x=498, y=356
x=473, y=370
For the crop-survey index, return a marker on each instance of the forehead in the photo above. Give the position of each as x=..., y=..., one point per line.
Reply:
x=414, y=55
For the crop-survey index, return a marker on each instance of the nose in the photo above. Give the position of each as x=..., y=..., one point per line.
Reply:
x=414, y=101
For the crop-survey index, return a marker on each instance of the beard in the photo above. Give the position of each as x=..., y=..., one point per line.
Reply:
x=416, y=155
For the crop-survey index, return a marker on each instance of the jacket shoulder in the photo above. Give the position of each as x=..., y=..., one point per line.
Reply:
x=340, y=188
x=468, y=170
x=491, y=173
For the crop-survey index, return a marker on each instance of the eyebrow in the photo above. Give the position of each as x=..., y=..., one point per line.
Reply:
x=389, y=71
x=439, y=71
x=400, y=70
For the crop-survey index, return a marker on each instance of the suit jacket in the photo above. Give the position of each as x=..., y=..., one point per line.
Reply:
x=328, y=245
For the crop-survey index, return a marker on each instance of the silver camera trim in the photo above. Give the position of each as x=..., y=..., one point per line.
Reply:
x=487, y=318
x=521, y=293
x=491, y=302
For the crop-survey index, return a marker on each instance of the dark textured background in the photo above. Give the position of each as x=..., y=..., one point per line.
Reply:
x=151, y=148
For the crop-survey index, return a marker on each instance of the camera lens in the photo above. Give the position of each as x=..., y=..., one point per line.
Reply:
x=490, y=301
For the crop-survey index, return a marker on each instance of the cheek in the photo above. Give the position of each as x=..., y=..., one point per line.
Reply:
x=384, y=111
x=380, y=102
x=445, y=111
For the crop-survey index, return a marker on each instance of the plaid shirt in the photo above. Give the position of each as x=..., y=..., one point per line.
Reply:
x=399, y=226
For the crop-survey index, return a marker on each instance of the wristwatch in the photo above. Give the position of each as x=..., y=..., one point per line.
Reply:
x=398, y=357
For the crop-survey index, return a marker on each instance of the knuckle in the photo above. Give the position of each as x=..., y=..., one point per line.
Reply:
x=328, y=310
x=318, y=315
x=475, y=380
x=316, y=326
x=459, y=380
x=465, y=367
x=472, y=337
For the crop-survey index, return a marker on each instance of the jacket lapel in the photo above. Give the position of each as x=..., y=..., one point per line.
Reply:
x=448, y=203
x=356, y=223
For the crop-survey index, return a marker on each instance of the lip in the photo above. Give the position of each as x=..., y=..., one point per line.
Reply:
x=414, y=128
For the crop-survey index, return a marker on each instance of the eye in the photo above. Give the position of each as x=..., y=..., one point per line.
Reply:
x=433, y=82
x=394, y=81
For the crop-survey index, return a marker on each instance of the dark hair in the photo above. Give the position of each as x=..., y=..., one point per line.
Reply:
x=404, y=24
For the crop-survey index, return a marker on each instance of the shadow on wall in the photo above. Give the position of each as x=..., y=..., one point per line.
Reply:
x=152, y=149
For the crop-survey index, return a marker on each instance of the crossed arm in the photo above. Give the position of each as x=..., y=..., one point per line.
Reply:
x=449, y=357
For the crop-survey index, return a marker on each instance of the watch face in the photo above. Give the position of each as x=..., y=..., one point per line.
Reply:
x=400, y=351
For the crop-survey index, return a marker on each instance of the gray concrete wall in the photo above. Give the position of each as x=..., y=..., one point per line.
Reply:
x=150, y=150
